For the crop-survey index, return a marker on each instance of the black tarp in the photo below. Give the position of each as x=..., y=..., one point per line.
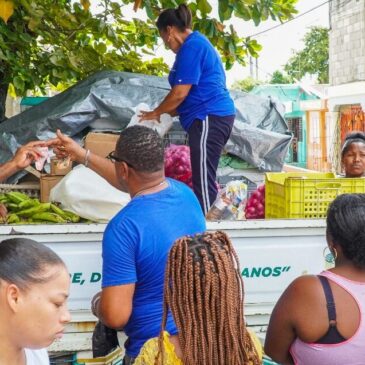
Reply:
x=107, y=99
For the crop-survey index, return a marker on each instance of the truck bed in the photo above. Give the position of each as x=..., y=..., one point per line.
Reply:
x=272, y=253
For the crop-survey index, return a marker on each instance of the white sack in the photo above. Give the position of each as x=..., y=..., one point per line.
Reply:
x=161, y=127
x=84, y=192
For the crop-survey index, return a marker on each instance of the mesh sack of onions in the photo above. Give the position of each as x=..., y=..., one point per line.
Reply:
x=177, y=163
x=255, y=207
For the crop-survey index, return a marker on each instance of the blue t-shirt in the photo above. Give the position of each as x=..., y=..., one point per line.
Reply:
x=198, y=64
x=136, y=243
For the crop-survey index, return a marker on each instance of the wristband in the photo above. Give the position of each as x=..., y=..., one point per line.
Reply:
x=86, y=160
x=94, y=305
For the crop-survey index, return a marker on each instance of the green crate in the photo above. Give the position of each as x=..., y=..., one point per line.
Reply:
x=305, y=195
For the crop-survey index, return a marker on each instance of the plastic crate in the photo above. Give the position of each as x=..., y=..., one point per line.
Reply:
x=176, y=137
x=305, y=195
x=32, y=190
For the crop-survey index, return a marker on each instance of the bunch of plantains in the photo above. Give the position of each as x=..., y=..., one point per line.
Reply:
x=25, y=210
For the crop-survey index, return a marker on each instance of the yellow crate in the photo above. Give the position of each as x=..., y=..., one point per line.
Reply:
x=305, y=195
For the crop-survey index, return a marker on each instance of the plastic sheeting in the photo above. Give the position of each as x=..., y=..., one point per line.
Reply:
x=107, y=99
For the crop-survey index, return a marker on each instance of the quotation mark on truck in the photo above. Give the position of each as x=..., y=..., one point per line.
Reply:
x=256, y=272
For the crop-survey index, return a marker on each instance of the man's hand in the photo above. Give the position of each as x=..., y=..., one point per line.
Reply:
x=66, y=147
x=3, y=212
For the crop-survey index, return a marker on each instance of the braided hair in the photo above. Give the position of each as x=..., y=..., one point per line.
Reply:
x=204, y=291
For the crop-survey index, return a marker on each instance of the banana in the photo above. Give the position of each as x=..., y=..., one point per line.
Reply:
x=42, y=207
x=49, y=217
x=68, y=216
x=16, y=197
x=12, y=206
x=25, y=204
x=60, y=212
x=72, y=216
x=12, y=218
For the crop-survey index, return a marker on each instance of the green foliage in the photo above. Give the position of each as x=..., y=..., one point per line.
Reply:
x=51, y=42
x=313, y=59
x=279, y=77
x=246, y=84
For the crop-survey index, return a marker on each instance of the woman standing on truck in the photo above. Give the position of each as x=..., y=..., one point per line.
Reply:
x=353, y=155
x=319, y=320
x=204, y=291
x=199, y=96
x=34, y=286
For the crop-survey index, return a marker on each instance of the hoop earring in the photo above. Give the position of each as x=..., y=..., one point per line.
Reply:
x=330, y=256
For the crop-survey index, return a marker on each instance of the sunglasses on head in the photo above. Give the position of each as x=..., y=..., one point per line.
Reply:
x=114, y=158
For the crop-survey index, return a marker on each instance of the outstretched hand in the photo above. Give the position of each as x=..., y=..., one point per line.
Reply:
x=66, y=147
x=28, y=153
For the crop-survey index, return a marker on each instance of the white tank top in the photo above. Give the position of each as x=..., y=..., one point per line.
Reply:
x=37, y=357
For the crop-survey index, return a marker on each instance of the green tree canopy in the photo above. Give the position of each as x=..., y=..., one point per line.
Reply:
x=246, y=84
x=279, y=77
x=313, y=58
x=46, y=42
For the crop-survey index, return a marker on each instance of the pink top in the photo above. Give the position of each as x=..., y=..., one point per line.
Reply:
x=349, y=352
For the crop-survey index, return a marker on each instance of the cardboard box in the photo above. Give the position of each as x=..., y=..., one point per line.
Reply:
x=59, y=167
x=47, y=182
x=101, y=143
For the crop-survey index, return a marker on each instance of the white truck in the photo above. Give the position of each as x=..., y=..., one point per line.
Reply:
x=272, y=253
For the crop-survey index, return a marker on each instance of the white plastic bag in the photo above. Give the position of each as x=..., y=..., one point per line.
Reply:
x=161, y=127
x=85, y=193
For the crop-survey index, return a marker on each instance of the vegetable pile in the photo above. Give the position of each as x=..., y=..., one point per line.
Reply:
x=177, y=163
x=23, y=209
x=255, y=207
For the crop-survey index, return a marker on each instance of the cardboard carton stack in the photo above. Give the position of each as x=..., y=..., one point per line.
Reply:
x=99, y=143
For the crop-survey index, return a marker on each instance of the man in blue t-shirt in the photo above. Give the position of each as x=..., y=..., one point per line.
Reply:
x=199, y=96
x=137, y=240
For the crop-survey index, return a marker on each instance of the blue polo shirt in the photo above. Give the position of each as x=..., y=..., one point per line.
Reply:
x=136, y=243
x=198, y=64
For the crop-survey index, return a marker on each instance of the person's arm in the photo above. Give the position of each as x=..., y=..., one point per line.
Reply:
x=280, y=333
x=169, y=105
x=3, y=212
x=23, y=157
x=113, y=305
x=66, y=147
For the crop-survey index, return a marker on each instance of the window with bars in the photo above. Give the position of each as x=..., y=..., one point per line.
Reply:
x=295, y=126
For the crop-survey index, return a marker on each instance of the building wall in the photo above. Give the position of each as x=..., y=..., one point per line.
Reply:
x=347, y=41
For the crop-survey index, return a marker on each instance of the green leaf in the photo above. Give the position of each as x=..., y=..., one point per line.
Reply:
x=204, y=7
x=100, y=48
x=224, y=10
x=19, y=84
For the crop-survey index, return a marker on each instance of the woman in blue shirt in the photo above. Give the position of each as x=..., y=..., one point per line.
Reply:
x=199, y=97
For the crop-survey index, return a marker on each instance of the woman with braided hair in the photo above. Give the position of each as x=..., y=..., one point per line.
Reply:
x=204, y=292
